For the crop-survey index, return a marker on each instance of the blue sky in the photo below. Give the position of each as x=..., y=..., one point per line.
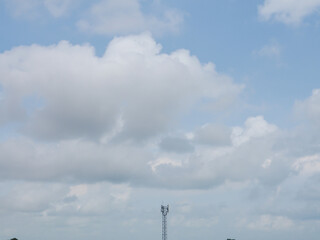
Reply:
x=110, y=108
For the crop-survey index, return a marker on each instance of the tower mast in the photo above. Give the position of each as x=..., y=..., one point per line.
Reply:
x=164, y=211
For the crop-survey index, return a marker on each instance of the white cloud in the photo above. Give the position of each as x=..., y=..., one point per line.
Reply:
x=164, y=161
x=213, y=134
x=267, y=163
x=58, y=8
x=270, y=50
x=94, y=112
x=89, y=161
x=310, y=108
x=78, y=180
x=104, y=17
x=288, y=11
x=33, y=9
x=211, y=165
x=307, y=165
x=78, y=190
x=85, y=96
x=137, y=93
x=125, y=16
x=255, y=127
x=22, y=8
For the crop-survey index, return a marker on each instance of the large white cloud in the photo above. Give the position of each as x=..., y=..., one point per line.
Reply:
x=65, y=91
x=89, y=119
x=84, y=117
x=288, y=11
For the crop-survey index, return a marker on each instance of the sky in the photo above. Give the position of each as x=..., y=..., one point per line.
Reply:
x=110, y=108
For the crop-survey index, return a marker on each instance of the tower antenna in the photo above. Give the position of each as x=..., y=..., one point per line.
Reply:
x=164, y=211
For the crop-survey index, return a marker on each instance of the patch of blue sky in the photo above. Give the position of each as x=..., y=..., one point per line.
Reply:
x=229, y=32
x=12, y=129
x=44, y=29
x=33, y=103
x=226, y=33
x=1, y=91
x=9, y=131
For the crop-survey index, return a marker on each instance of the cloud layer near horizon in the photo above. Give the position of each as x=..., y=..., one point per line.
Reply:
x=92, y=130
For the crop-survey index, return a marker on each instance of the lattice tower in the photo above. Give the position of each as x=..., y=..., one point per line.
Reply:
x=164, y=211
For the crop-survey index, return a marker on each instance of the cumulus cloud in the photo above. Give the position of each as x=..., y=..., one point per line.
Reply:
x=86, y=161
x=98, y=199
x=77, y=94
x=110, y=17
x=258, y=151
x=110, y=121
x=213, y=134
x=288, y=11
x=254, y=127
x=307, y=165
x=310, y=108
x=241, y=160
x=273, y=174
x=73, y=161
x=239, y=154
x=82, y=118
x=176, y=144
x=295, y=198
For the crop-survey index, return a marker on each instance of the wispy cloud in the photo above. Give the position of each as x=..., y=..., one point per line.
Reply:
x=110, y=17
x=270, y=50
x=288, y=11
x=103, y=17
x=33, y=9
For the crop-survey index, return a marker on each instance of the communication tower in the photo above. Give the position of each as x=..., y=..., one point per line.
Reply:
x=164, y=211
